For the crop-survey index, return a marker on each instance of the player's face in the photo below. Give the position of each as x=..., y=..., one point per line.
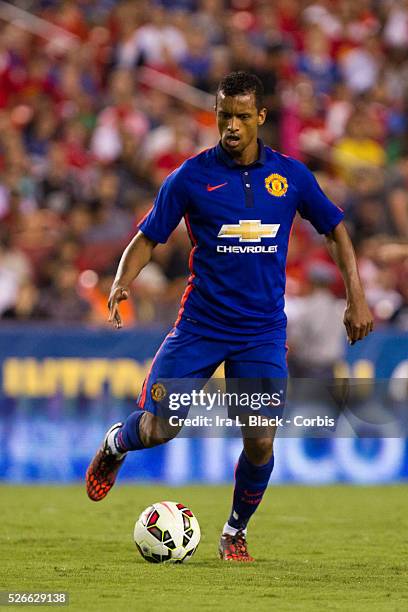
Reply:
x=238, y=120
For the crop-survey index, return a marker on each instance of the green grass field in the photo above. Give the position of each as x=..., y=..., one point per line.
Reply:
x=329, y=548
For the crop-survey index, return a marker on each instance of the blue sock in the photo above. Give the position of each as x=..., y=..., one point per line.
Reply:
x=128, y=436
x=250, y=485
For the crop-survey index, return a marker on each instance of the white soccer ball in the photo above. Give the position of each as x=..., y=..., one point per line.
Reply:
x=167, y=532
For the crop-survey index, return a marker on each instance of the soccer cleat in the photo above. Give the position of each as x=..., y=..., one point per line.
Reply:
x=234, y=548
x=102, y=471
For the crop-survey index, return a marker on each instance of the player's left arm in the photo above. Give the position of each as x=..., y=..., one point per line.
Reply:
x=358, y=319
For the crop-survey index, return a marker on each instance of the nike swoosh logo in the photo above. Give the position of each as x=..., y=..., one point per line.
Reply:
x=213, y=187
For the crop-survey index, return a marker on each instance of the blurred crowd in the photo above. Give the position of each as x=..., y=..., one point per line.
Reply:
x=86, y=140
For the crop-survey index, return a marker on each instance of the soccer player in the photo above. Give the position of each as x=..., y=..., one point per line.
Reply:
x=238, y=200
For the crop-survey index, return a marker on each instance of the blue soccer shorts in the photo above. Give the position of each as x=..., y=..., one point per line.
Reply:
x=184, y=355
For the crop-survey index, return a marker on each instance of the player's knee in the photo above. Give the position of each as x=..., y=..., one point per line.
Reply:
x=155, y=431
x=258, y=450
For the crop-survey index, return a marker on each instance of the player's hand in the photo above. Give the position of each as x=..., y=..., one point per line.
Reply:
x=117, y=295
x=358, y=320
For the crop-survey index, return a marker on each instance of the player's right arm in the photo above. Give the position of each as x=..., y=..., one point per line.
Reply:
x=136, y=255
x=168, y=210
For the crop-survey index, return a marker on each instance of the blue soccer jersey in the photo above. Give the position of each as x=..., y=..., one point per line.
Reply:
x=239, y=220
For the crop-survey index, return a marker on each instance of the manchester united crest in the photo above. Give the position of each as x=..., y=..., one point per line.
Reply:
x=276, y=185
x=158, y=392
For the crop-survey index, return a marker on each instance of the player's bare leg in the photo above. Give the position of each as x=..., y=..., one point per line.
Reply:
x=251, y=479
x=104, y=467
x=259, y=450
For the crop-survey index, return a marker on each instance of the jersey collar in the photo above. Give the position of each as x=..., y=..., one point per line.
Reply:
x=223, y=156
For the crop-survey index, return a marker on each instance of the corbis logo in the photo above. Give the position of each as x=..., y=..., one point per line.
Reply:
x=276, y=185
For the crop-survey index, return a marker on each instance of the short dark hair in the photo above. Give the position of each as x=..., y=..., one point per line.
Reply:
x=239, y=83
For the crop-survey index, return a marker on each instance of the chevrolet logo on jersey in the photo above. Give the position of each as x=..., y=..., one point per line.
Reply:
x=249, y=230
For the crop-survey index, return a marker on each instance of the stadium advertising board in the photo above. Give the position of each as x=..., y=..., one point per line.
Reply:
x=62, y=386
